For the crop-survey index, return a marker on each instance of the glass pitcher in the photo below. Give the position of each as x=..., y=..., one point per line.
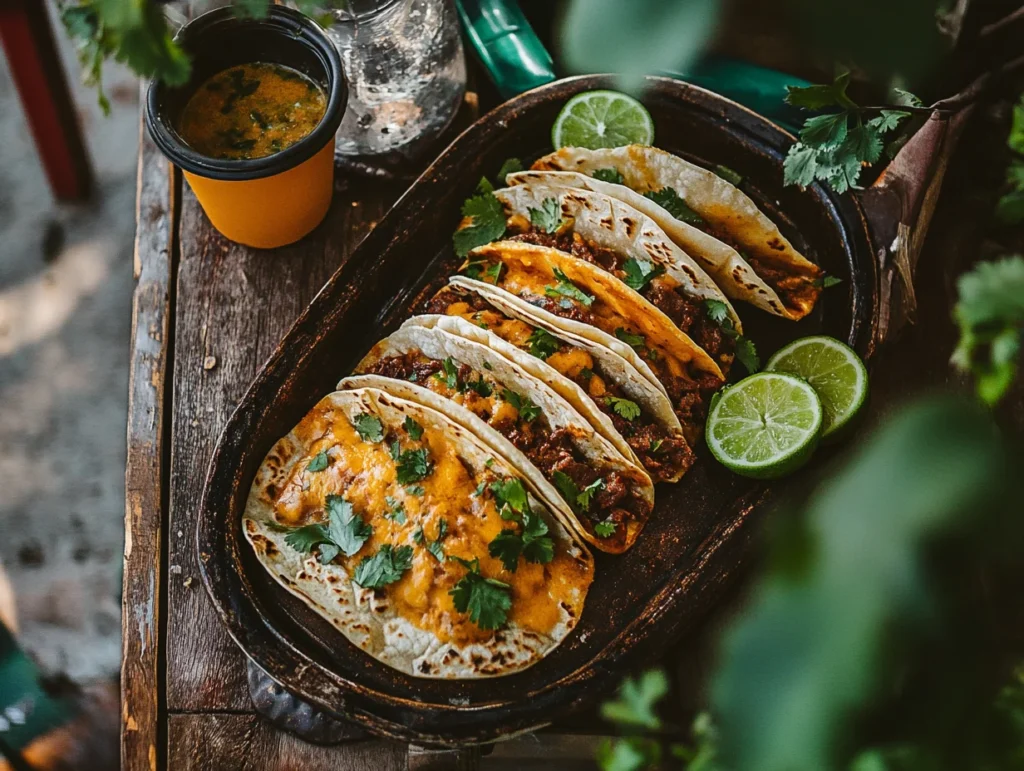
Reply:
x=406, y=70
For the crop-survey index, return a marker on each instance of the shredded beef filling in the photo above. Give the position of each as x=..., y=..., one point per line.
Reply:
x=794, y=289
x=686, y=313
x=441, y=301
x=548, y=450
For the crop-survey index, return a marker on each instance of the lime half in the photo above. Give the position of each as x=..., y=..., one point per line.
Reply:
x=596, y=119
x=766, y=425
x=835, y=372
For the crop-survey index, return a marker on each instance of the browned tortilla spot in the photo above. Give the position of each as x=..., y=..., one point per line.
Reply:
x=630, y=224
x=776, y=244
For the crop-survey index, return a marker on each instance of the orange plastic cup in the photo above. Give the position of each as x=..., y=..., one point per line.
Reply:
x=261, y=202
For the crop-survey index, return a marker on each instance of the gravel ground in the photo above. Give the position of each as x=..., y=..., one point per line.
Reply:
x=65, y=302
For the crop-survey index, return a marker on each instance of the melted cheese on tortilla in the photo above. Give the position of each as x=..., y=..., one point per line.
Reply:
x=526, y=276
x=365, y=474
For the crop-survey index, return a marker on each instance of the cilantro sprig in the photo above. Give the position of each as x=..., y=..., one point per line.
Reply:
x=579, y=499
x=548, y=217
x=633, y=340
x=1010, y=208
x=640, y=273
x=624, y=408
x=565, y=288
x=532, y=542
x=486, y=600
x=834, y=147
x=319, y=462
x=542, y=343
x=434, y=547
x=345, y=532
x=528, y=411
x=669, y=200
x=609, y=175
x=411, y=465
x=746, y=351
x=383, y=568
x=369, y=427
x=487, y=220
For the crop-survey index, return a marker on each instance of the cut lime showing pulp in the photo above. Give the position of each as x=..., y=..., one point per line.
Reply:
x=833, y=370
x=766, y=425
x=596, y=119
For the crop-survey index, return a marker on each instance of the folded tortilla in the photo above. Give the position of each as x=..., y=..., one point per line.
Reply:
x=631, y=246
x=411, y=624
x=588, y=302
x=522, y=419
x=738, y=245
x=603, y=387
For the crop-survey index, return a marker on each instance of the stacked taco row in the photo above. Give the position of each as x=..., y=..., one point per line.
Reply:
x=440, y=506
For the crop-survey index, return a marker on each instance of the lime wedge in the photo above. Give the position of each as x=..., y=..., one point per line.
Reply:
x=834, y=371
x=596, y=119
x=766, y=425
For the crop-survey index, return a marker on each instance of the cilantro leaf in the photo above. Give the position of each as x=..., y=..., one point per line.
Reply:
x=730, y=176
x=887, y=120
x=304, y=538
x=668, y=199
x=527, y=410
x=801, y=166
x=510, y=497
x=533, y=543
x=746, y=352
x=631, y=339
x=346, y=529
x=586, y=495
x=548, y=217
x=826, y=281
x=817, y=97
x=510, y=166
x=566, y=288
x=494, y=273
x=434, y=547
x=319, y=462
x=604, y=529
x=506, y=546
x=369, y=427
x=639, y=273
x=624, y=408
x=479, y=385
x=487, y=221
x=415, y=490
x=412, y=466
x=636, y=701
x=905, y=98
x=486, y=600
x=825, y=131
x=863, y=143
x=609, y=175
x=383, y=568
x=542, y=343
x=396, y=510
x=451, y=373
x=413, y=429
x=396, y=450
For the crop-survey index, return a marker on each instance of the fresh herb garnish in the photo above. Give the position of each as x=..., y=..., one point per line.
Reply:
x=565, y=288
x=655, y=445
x=383, y=568
x=369, y=427
x=412, y=465
x=479, y=385
x=450, y=376
x=634, y=341
x=527, y=410
x=624, y=408
x=510, y=166
x=494, y=273
x=668, y=199
x=733, y=177
x=604, y=529
x=609, y=175
x=345, y=532
x=548, y=217
x=510, y=497
x=396, y=510
x=542, y=343
x=416, y=490
x=586, y=373
x=533, y=543
x=486, y=600
x=746, y=352
x=826, y=281
x=479, y=489
x=413, y=429
x=639, y=273
x=487, y=220
x=578, y=499
x=319, y=462
x=434, y=547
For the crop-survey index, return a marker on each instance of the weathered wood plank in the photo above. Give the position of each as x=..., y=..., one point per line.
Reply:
x=234, y=305
x=145, y=470
x=232, y=742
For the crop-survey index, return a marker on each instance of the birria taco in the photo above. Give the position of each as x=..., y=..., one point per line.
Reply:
x=572, y=467
x=628, y=244
x=634, y=415
x=415, y=540
x=588, y=302
x=709, y=217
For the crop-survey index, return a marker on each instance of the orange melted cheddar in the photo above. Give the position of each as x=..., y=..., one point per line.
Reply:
x=365, y=474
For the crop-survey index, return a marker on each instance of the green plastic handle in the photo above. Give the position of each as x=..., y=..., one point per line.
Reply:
x=507, y=46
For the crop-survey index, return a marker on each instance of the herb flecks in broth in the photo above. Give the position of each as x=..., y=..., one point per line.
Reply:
x=251, y=111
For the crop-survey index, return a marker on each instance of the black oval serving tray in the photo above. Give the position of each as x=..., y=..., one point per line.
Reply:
x=640, y=602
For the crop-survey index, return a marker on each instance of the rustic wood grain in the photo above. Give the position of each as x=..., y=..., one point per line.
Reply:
x=232, y=742
x=233, y=305
x=145, y=469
